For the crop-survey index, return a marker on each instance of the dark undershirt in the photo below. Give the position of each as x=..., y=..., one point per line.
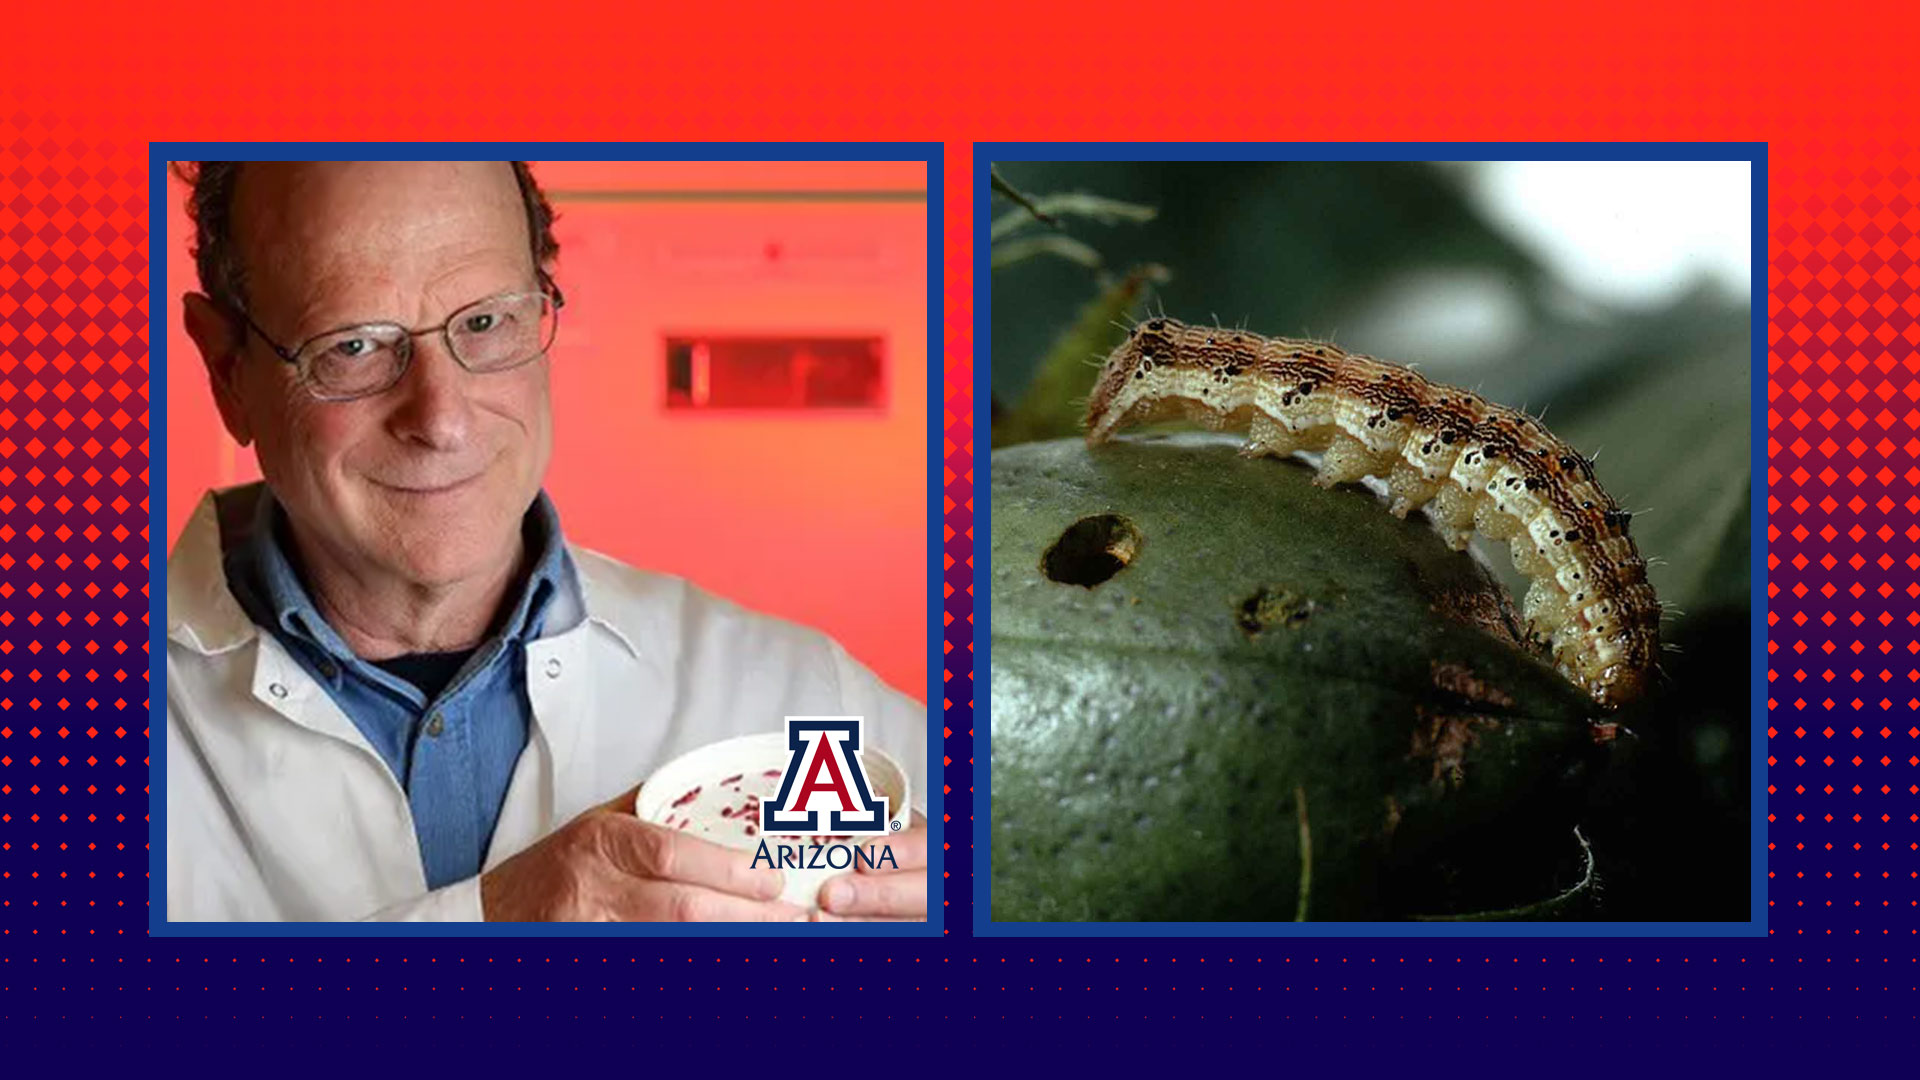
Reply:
x=431, y=672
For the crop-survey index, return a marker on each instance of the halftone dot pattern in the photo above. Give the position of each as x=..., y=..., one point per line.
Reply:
x=1845, y=472
x=957, y=534
x=1843, y=451
x=73, y=534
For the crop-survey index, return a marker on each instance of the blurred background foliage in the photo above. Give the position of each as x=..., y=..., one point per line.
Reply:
x=1415, y=263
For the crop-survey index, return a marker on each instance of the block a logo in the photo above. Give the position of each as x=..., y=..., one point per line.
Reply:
x=825, y=789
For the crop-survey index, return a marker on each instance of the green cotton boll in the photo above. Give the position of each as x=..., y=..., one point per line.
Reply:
x=1192, y=650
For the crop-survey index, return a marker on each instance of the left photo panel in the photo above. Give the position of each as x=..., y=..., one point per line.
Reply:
x=546, y=541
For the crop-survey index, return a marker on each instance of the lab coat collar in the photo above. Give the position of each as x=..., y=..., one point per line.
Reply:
x=201, y=611
x=260, y=573
x=203, y=615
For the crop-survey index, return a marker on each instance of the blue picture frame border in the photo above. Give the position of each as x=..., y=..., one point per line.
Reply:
x=159, y=154
x=985, y=155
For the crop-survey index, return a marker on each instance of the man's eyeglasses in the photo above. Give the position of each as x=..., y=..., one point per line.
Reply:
x=496, y=334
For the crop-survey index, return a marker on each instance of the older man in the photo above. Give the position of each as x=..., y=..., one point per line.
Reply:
x=394, y=691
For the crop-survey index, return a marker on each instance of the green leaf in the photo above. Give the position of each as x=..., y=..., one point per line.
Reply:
x=1018, y=251
x=1007, y=191
x=1054, y=399
x=1048, y=209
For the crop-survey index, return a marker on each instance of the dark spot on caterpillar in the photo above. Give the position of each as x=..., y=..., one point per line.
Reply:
x=1513, y=481
x=1157, y=324
x=1231, y=370
x=1427, y=449
x=1533, y=483
x=1567, y=461
x=1374, y=420
x=1395, y=414
x=1586, y=504
x=1447, y=437
x=1140, y=373
x=1618, y=519
x=1572, y=535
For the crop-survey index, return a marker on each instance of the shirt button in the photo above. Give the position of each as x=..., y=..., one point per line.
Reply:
x=276, y=690
x=553, y=668
x=435, y=726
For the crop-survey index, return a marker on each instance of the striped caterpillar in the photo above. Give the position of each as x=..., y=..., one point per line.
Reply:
x=1472, y=465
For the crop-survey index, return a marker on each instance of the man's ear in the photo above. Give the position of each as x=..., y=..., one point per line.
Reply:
x=221, y=342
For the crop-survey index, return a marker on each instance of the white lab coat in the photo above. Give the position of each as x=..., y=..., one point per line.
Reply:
x=278, y=809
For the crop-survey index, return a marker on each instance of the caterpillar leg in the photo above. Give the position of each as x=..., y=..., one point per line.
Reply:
x=1545, y=606
x=1266, y=435
x=1452, y=513
x=1206, y=415
x=1346, y=460
x=1527, y=558
x=1410, y=489
x=1490, y=522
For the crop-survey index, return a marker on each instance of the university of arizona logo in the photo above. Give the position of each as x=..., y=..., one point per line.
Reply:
x=824, y=790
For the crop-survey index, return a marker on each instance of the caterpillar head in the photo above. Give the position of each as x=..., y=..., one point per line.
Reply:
x=1618, y=663
x=1619, y=685
x=1149, y=345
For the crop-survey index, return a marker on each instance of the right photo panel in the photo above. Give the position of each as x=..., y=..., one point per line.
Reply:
x=1372, y=540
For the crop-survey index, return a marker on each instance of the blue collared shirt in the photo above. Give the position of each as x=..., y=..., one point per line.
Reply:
x=454, y=753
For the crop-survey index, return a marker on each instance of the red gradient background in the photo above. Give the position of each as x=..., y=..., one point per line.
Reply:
x=819, y=517
x=1828, y=89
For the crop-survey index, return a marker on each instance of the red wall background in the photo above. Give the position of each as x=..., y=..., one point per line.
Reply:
x=817, y=517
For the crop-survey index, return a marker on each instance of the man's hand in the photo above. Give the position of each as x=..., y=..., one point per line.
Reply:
x=608, y=866
x=869, y=893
